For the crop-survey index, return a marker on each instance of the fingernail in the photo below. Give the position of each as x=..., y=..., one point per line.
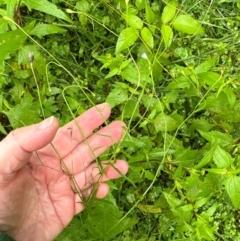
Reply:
x=46, y=123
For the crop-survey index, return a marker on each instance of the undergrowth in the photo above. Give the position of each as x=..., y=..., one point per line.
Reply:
x=170, y=71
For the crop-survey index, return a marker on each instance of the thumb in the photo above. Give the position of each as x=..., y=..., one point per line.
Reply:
x=17, y=147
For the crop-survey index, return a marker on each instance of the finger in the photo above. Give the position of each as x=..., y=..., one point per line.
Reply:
x=102, y=192
x=17, y=147
x=73, y=133
x=92, y=175
x=94, y=146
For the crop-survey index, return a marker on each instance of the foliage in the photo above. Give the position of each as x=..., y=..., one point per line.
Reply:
x=170, y=70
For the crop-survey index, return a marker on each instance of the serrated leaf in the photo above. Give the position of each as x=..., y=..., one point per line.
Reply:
x=126, y=38
x=147, y=37
x=169, y=11
x=42, y=29
x=167, y=34
x=221, y=158
x=186, y=24
x=205, y=66
x=216, y=137
x=133, y=21
x=47, y=7
x=232, y=185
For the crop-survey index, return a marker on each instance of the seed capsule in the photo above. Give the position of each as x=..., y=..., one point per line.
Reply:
x=31, y=57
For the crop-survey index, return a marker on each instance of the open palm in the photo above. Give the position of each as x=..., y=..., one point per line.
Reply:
x=38, y=164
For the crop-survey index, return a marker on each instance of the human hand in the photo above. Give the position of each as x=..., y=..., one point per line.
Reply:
x=36, y=198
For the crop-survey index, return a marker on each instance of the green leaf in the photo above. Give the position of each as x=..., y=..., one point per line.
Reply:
x=211, y=78
x=140, y=4
x=186, y=24
x=205, y=66
x=131, y=75
x=147, y=37
x=104, y=219
x=167, y=34
x=216, y=137
x=221, y=158
x=149, y=13
x=126, y=38
x=131, y=109
x=232, y=185
x=112, y=73
x=47, y=7
x=164, y=122
x=207, y=158
x=11, y=41
x=169, y=11
x=2, y=130
x=42, y=29
x=3, y=25
x=231, y=97
x=133, y=21
x=117, y=96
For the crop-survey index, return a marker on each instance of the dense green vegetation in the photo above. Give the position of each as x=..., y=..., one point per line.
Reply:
x=170, y=70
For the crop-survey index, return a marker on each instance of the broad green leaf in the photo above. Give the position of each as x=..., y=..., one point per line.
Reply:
x=211, y=78
x=140, y=4
x=117, y=96
x=186, y=24
x=207, y=158
x=163, y=122
x=216, y=137
x=131, y=75
x=147, y=37
x=231, y=97
x=169, y=11
x=201, y=202
x=221, y=158
x=133, y=21
x=150, y=17
x=201, y=124
x=11, y=41
x=47, y=7
x=42, y=29
x=104, y=219
x=179, y=83
x=205, y=66
x=131, y=109
x=3, y=25
x=232, y=185
x=205, y=231
x=172, y=201
x=73, y=103
x=149, y=175
x=126, y=38
x=167, y=34
x=83, y=6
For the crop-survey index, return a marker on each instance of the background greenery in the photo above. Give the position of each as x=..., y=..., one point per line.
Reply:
x=170, y=70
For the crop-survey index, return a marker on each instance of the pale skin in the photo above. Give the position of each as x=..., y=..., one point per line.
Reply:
x=37, y=200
